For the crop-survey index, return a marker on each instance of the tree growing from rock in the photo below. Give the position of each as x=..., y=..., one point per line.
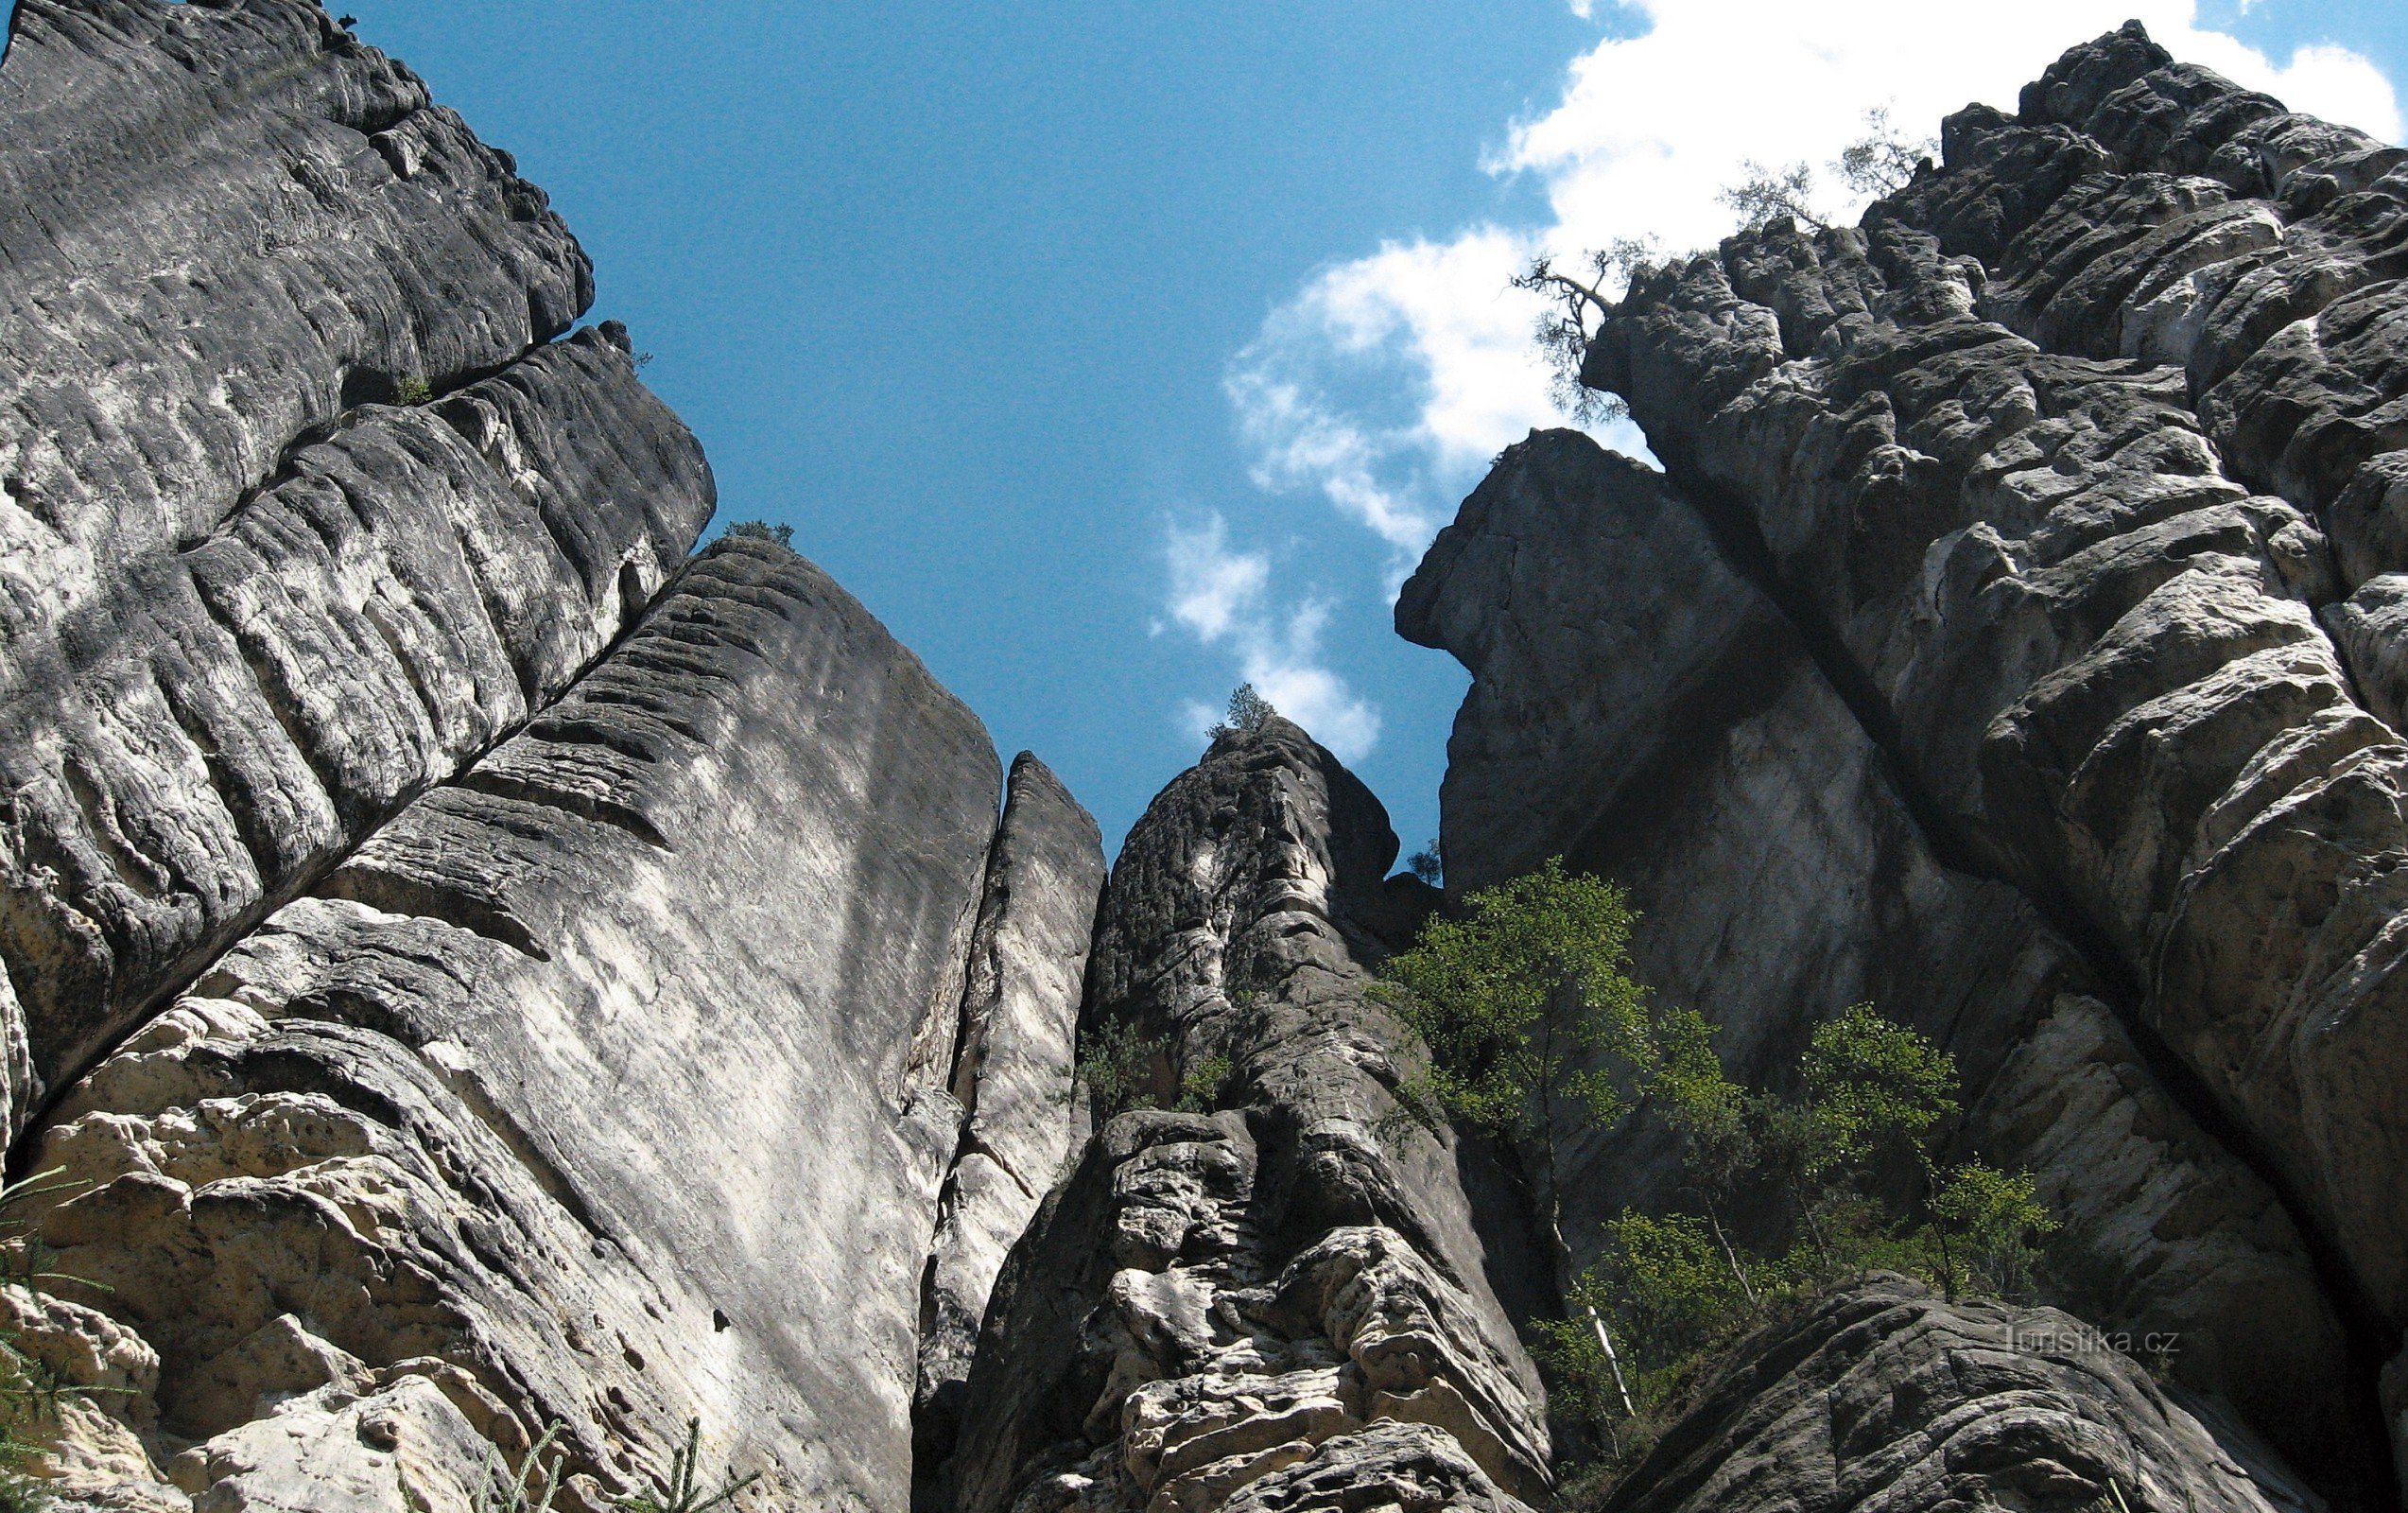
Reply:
x=1249, y=711
x=1579, y=296
x=1533, y=1025
x=1529, y=1013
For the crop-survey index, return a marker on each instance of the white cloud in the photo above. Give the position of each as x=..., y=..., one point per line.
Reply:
x=1387, y=382
x=1222, y=598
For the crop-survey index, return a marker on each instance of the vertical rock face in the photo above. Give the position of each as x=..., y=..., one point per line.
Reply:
x=1012, y=1075
x=1640, y=708
x=585, y=1091
x=1278, y=1299
x=2075, y=463
x=1885, y=1396
x=247, y=608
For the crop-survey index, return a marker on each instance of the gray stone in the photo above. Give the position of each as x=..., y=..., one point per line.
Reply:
x=1012, y=1072
x=1885, y=1396
x=2092, y=648
x=250, y=706
x=1638, y=707
x=249, y=607
x=1219, y=1304
x=592, y=1078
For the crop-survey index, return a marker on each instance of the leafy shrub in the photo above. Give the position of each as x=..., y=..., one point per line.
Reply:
x=1201, y=1088
x=413, y=389
x=1530, y=1016
x=1117, y=1064
x=1427, y=863
x=762, y=530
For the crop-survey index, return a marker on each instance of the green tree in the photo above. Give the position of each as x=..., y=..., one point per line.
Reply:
x=1249, y=711
x=1529, y=1011
x=762, y=530
x=1117, y=1064
x=1200, y=1086
x=1985, y=1225
x=1719, y=1150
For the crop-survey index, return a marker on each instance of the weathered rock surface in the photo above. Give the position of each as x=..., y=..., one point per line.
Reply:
x=1885, y=1396
x=589, y=1090
x=1012, y=1073
x=243, y=619
x=2045, y=574
x=1638, y=707
x=1281, y=1301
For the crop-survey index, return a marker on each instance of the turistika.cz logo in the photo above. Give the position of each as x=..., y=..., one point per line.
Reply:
x=2083, y=1339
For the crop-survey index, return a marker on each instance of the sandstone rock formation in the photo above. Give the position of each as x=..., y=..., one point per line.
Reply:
x=579, y=1091
x=1640, y=708
x=1281, y=1301
x=1886, y=1397
x=479, y=970
x=2069, y=474
x=1012, y=1075
x=250, y=609
x=2048, y=574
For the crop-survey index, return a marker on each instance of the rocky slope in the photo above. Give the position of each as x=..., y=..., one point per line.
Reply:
x=478, y=970
x=1886, y=1397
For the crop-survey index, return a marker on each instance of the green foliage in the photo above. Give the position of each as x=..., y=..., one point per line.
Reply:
x=762, y=530
x=1427, y=863
x=1872, y=1084
x=413, y=389
x=1766, y=194
x=681, y=1494
x=1984, y=1222
x=1883, y=161
x=1117, y=1066
x=532, y=1490
x=1527, y=1004
x=30, y=1392
x=1249, y=711
x=1201, y=1088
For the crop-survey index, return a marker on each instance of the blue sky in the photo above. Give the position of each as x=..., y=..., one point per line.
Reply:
x=1113, y=351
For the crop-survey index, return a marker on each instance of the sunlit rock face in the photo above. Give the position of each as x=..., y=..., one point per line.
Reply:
x=1280, y=1299
x=595, y=1087
x=249, y=603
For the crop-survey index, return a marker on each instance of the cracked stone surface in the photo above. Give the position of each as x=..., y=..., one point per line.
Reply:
x=2077, y=458
x=1281, y=1301
x=589, y=1090
x=1012, y=1075
x=1640, y=708
x=1886, y=1397
x=248, y=606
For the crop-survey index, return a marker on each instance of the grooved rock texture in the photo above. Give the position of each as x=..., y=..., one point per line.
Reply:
x=1280, y=1302
x=2075, y=459
x=242, y=617
x=1885, y=1396
x=1638, y=707
x=588, y=1089
x=1012, y=1075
